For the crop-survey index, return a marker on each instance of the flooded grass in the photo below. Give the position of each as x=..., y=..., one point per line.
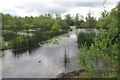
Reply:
x=85, y=39
x=25, y=42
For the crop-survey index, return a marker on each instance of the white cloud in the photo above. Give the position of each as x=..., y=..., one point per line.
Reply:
x=37, y=7
x=96, y=11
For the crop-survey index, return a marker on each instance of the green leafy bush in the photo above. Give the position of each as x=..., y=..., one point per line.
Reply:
x=56, y=27
x=102, y=59
x=84, y=38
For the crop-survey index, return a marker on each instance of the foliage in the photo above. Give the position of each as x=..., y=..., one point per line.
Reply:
x=85, y=38
x=56, y=27
x=9, y=35
x=26, y=42
x=101, y=59
x=43, y=26
x=69, y=20
x=90, y=21
x=3, y=44
x=20, y=42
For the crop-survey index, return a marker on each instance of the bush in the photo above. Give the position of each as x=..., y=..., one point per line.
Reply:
x=85, y=39
x=56, y=27
x=9, y=35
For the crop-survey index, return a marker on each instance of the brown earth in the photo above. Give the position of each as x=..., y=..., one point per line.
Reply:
x=73, y=74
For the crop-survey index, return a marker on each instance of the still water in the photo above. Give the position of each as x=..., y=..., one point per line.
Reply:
x=46, y=61
x=55, y=56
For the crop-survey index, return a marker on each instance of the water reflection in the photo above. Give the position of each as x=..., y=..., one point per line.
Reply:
x=66, y=59
x=19, y=53
x=49, y=43
x=94, y=31
x=54, y=59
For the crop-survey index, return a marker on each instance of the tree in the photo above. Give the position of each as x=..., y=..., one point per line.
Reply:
x=69, y=20
x=58, y=16
x=90, y=21
x=77, y=20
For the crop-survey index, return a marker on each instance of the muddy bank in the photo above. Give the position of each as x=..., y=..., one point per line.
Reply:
x=84, y=74
x=73, y=74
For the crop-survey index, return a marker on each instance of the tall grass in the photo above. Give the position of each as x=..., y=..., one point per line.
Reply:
x=25, y=42
x=85, y=39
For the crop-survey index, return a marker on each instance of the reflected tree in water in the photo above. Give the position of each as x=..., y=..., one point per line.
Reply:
x=66, y=59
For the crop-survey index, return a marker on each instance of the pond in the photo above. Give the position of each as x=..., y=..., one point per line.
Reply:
x=46, y=61
x=57, y=55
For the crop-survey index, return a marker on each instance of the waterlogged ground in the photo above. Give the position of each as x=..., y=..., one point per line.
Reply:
x=46, y=61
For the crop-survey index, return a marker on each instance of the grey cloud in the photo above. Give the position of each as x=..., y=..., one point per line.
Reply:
x=41, y=8
x=92, y=4
x=62, y=7
x=57, y=10
x=89, y=4
x=32, y=7
x=83, y=4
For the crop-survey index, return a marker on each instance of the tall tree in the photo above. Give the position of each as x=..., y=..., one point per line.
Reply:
x=90, y=21
x=69, y=20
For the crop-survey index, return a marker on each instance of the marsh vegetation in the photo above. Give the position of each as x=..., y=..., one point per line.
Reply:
x=27, y=40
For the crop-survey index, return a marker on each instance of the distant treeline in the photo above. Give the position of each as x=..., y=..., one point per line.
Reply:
x=47, y=21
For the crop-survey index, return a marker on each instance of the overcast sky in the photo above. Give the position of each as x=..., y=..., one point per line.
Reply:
x=37, y=7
